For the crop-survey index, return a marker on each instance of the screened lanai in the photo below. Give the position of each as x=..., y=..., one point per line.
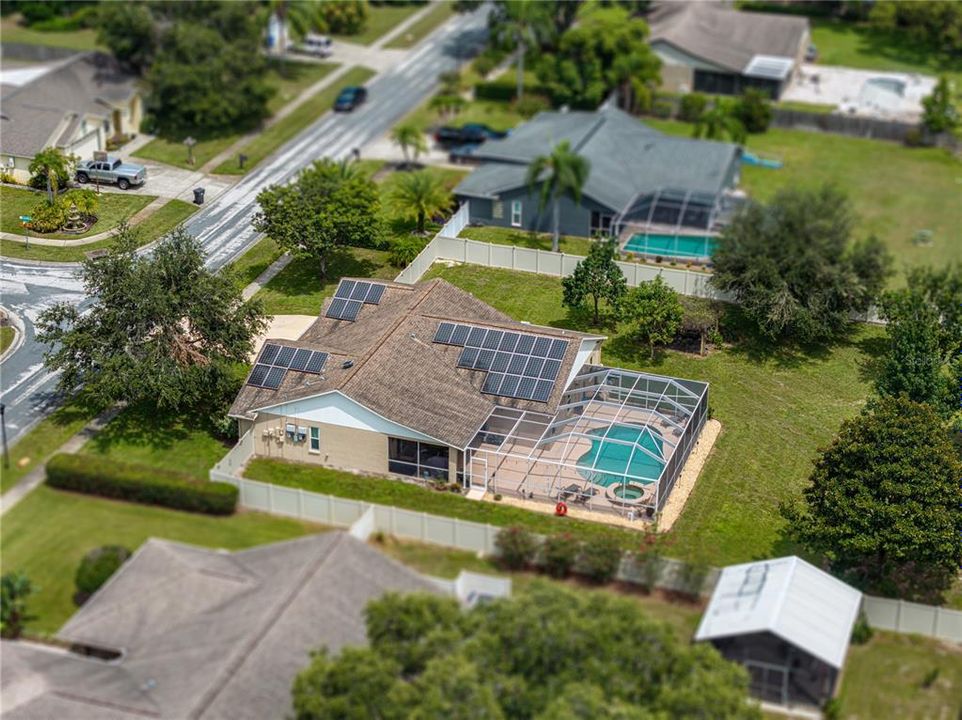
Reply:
x=616, y=444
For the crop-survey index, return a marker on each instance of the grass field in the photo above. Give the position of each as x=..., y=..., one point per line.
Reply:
x=158, y=224
x=175, y=153
x=434, y=17
x=283, y=130
x=114, y=207
x=73, y=40
x=166, y=442
x=569, y=244
x=256, y=260
x=49, y=531
x=413, y=497
x=380, y=19
x=887, y=678
x=292, y=78
x=895, y=190
x=7, y=335
x=777, y=405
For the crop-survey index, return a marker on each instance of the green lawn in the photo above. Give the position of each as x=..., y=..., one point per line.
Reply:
x=49, y=531
x=498, y=115
x=777, y=405
x=43, y=439
x=886, y=678
x=7, y=335
x=114, y=207
x=299, y=290
x=414, y=497
x=156, y=225
x=248, y=267
x=283, y=130
x=425, y=26
x=895, y=190
x=166, y=442
x=175, y=153
x=292, y=78
x=380, y=19
x=74, y=40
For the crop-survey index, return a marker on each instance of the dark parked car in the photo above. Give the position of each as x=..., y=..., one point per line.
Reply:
x=469, y=134
x=350, y=98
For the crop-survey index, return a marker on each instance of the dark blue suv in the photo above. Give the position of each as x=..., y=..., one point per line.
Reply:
x=350, y=98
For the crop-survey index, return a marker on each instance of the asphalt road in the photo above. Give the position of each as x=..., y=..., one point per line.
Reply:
x=224, y=227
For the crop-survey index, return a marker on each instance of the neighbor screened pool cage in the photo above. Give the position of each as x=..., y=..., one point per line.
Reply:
x=616, y=444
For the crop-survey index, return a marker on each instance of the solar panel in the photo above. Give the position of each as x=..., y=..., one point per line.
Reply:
x=360, y=291
x=374, y=294
x=351, y=310
x=443, y=334
x=268, y=353
x=343, y=309
x=519, y=365
x=257, y=375
x=300, y=359
x=274, y=377
x=344, y=289
x=336, y=308
x=316, y=363
x=284, y=357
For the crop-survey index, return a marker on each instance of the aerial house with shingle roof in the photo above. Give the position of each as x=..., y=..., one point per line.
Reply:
x=427, y=381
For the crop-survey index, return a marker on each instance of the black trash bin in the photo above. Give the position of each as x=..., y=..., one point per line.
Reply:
x=198, y=196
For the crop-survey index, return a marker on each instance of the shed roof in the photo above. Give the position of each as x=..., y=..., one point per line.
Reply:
x=205, y=634
x=397, y=371
x=724, y=36
x=627, y=157
x=789, y=598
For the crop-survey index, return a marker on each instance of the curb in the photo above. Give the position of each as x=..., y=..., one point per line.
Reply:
x=18, y=327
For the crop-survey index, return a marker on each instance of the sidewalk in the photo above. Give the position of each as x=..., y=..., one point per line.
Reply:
x=35, y=477
x=139, y=216
x=265, y=277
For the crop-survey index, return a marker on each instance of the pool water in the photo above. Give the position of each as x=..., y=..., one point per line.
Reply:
x=612, y=460
x=628, y=493
x=684, y=246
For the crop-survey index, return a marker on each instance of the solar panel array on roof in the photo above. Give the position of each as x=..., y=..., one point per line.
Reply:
x=519, y=365
x=275, y=360
x=350, y=296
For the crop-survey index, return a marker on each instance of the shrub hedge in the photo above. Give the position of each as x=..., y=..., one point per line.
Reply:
x=96, y=568
x=139, y=483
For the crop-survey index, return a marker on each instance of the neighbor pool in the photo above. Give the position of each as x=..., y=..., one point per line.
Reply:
x=612, y=461
x=682, y=246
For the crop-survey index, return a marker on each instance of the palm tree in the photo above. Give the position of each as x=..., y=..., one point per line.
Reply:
x=418, y=196
x=525, y=23
x=409, y=138
x=51, y=164
x=562, y=171
x=716, y=123
x=15, y=588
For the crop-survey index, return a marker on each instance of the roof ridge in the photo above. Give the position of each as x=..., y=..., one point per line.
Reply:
x=274, y=613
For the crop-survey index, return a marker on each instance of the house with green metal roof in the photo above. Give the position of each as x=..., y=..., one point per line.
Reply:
x=639, y=178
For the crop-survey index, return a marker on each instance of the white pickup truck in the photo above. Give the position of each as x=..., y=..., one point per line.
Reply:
x=111, y=170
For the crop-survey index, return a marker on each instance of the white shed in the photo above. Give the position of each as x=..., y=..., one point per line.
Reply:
x=787, y=622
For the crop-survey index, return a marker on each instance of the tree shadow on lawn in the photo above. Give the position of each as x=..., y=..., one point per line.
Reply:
x=146, y=426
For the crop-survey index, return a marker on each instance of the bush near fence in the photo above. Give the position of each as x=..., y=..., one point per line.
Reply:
x=139, y=483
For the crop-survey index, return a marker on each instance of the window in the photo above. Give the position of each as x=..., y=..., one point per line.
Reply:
x=600, y=224
x=315, y=440
x=516, y=213
x=497, y=210
x=417, y=459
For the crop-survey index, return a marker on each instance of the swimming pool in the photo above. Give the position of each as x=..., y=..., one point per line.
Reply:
x=683, y=246
x=613, y=460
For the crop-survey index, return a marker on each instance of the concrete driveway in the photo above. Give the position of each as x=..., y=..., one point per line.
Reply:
x=172, y=182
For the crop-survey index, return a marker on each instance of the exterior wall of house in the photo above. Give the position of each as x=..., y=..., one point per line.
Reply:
x=575, y=218
x=19, y=169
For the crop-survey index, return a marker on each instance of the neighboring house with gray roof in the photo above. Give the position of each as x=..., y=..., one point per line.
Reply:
x=632, y=165
x=203, y=634
x=76, y=104
x=427, y=381
x=712, y=48
x=787, y=622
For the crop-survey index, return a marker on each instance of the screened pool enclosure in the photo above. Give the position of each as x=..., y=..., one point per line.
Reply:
x=617, y=443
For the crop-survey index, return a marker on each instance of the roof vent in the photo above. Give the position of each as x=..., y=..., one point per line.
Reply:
x=347, y=364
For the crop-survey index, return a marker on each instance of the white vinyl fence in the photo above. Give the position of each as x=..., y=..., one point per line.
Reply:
x=908, y=617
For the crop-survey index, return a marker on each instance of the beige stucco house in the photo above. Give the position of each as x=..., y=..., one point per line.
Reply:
x=427, y=381
x=77, y=104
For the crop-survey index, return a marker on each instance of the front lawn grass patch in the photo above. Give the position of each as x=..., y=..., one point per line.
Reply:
x=292, y=78
x=114, y=207
x=432, y=19
x=299, y=288
x=44, y=439
x=380, y=19
x=7, y=334
x=260, y=256
x=401, y=494
x=895, y=190
x=523, y=238
x=151, y=228
x=498, y=115
x=283, y=130
x=13, y=32
x=47, y=534
x=175, y=153
x=777, y=406
x=887, y=677
x=165, y=441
